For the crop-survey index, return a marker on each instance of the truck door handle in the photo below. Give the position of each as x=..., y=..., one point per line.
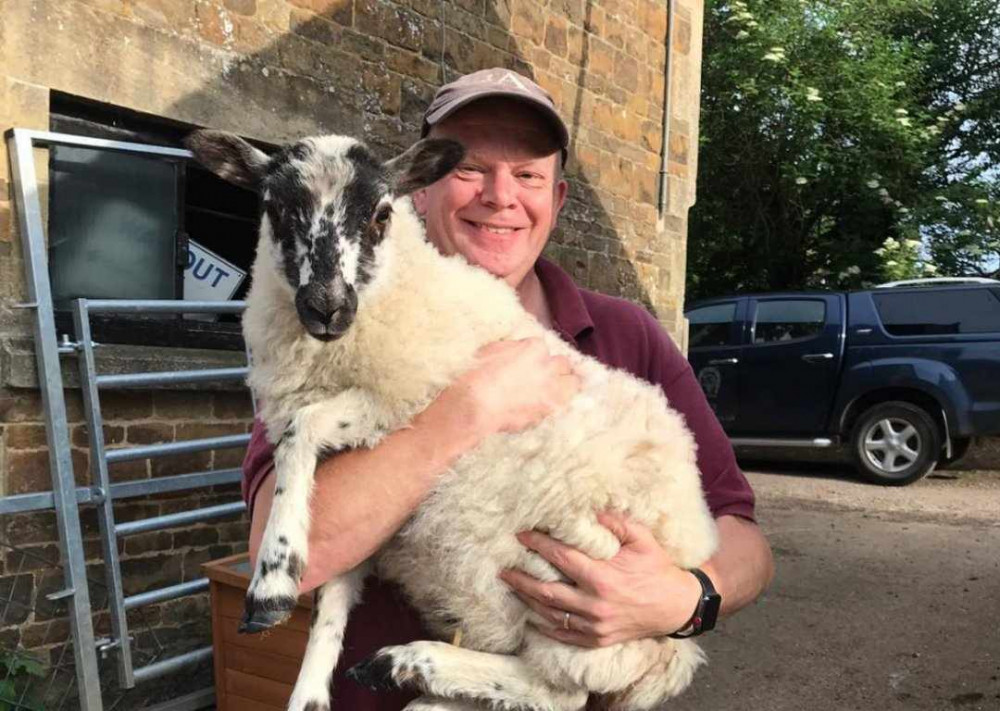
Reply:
x=817, y=357
x=724, y=361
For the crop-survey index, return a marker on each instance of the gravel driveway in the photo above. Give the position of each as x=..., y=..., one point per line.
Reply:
x=884, y=598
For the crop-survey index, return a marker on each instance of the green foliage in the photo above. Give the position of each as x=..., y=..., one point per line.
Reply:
x=18, y=672
x=830, y=126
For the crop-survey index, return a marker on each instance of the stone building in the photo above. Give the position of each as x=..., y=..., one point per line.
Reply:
x=273, y=70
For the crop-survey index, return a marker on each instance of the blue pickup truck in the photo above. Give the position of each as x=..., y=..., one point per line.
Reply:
x=903, y=376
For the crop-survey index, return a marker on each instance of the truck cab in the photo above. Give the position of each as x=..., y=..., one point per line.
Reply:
x=904, y=376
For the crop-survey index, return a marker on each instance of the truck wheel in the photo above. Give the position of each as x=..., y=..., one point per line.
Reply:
x=895, y=443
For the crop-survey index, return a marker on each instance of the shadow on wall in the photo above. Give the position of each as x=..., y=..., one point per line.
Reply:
x=313, y=79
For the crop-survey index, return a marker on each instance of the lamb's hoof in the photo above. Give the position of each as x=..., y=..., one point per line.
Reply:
x=374, y=673
x=261, y=615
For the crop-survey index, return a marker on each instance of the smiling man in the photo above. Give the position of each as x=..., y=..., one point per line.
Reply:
x=497, y=210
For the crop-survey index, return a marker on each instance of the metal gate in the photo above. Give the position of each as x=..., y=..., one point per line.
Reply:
x=66, y=497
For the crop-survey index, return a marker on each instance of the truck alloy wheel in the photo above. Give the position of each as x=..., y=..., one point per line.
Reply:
x=895, y=443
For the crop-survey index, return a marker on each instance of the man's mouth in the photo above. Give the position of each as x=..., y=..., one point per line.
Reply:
x=493, y=229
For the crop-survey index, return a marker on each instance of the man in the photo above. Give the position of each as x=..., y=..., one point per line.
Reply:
x=497, y=209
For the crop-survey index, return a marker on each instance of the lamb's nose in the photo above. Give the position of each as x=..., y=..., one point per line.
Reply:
x=322, y=312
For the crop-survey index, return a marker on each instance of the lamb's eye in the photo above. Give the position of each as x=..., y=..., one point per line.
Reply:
x=382, y=214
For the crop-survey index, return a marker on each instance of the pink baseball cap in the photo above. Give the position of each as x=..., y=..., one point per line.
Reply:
x=496, y=82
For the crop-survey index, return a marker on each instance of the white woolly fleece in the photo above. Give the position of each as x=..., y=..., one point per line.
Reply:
x=616, y=446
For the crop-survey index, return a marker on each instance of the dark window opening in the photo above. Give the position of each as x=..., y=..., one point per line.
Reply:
x=791, y=320
x=711, y=326
x=120, y=225
x=940, y=312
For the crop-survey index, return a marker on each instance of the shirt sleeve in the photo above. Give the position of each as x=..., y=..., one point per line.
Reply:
x=257, y=464
x=726, y=488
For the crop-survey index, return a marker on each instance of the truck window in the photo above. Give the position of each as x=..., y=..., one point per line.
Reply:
x=711, y=325
x=939, y=312
x=785, y=320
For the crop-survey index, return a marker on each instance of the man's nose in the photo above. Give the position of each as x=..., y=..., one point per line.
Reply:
x=499, y=188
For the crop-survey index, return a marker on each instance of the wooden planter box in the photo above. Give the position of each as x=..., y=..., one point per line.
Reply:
x=252, y=672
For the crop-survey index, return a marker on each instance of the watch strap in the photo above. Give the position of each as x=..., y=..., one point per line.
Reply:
x=706, y=613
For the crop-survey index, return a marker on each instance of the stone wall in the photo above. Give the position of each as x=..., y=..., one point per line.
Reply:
x=279, y=69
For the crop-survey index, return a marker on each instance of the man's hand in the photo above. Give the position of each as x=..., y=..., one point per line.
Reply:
x=513, y=385
x=638, y=593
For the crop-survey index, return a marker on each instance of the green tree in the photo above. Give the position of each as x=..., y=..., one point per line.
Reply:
x=829, y=128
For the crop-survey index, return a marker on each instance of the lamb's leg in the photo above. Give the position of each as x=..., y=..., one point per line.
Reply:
x=333, y=603
x=349, y=419
x=500, y=682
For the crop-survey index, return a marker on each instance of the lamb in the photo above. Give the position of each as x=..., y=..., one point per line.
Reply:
x=355, y=323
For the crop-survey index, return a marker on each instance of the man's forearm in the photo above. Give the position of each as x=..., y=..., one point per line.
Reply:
x=742, y=567
x=361, y=498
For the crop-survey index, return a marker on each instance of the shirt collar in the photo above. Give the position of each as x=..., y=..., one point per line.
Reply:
x=569, y=310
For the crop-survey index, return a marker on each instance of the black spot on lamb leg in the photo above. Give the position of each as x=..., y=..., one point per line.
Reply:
x=261, y=614
x=316, y=706
x=295, y=567
x=375, y=673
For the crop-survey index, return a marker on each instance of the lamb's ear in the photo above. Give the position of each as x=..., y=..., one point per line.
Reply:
x=228, y=156
x=424, y=163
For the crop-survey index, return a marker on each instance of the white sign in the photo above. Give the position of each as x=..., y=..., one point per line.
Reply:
x=209, y=277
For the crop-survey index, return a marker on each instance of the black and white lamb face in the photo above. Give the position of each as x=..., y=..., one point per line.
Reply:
x=327, y=204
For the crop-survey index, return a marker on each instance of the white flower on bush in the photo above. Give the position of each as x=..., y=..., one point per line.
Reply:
x=801, y=181
x=913, y=243
x=873, y=184
x=929, y=268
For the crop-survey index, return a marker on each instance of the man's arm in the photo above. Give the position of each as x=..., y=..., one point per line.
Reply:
x=742, y=567
x=361, y=498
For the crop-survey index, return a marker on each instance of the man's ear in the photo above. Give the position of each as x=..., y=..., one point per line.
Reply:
x=424, y=163
x=228, y=156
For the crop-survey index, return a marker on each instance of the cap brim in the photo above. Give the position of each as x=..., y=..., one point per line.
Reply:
x=450, y=107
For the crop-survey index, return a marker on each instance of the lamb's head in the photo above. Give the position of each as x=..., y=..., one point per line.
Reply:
x=327, y=206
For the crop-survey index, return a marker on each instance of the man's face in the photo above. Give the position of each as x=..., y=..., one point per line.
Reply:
x=499, y=205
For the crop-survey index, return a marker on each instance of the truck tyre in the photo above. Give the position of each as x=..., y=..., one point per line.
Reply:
x=895, y=443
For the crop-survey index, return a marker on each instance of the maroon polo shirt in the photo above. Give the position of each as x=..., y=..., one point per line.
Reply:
x=619, y=334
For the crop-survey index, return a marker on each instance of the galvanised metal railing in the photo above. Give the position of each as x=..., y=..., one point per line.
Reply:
x=66, y=497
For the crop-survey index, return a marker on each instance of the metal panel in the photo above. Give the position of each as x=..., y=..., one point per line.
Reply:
x=99, y=475
x=178, y=482
x=127, y=454
x=171, y=592
x=29, y=213
x=166, y=666
x=65, y=496
x=44, y=500
x=176, y=377
x=165, y=307
x=179, y=519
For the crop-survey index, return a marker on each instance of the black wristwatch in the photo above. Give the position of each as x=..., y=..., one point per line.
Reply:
x=707, y=612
